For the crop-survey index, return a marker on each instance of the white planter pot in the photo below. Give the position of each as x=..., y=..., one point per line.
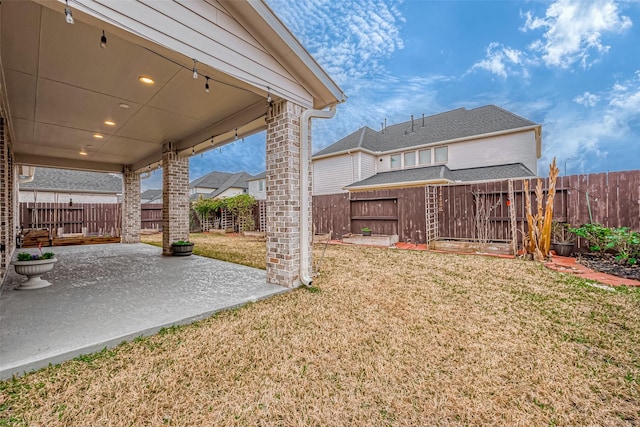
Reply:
x=33, y=270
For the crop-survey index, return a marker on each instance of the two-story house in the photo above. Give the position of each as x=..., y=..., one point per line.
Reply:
x=485, y=143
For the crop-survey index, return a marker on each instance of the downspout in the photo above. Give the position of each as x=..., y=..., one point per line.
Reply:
x=305, y=274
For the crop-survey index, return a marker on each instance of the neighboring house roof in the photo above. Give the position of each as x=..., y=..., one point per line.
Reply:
x=261, y=175
x=447, y=126
x=441, y=174
x=151, y=195
x=221, y=181
x=213, y=179
x=49, y=179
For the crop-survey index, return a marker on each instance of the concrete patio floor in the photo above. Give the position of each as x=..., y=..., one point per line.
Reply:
x=102, y=295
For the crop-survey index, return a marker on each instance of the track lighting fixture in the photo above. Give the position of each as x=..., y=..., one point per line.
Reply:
x=206, y=85
x=103, y=41
x=67, y=13
x=195, y=70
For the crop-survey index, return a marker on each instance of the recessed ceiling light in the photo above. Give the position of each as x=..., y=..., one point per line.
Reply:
x=98, y=136
x=123, y=105
x=83, y=152
x=109, y=123
x=146, y=80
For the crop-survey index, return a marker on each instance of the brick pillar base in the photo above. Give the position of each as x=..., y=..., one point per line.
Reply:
x=283, y=195
x=175, y=198
x=131, y=207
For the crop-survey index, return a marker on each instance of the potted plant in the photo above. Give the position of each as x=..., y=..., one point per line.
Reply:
x=181, y=248
x=563, y=240
x=33, y=266
x=366, y=231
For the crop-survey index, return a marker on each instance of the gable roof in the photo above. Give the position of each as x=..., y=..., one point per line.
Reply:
x=442, y=127
x=49, y=179
x=261, y=175
x=152, y=194
x=213, y=179
x=441, y=174
x=221, y=181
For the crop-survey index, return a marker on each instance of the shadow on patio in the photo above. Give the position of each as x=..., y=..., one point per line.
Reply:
x=105, y=294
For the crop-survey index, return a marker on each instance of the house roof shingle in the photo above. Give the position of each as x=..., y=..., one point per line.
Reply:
x=450, y=125
x=215, y=180
x=50, y=179
x=442, y=172
x=151, y=195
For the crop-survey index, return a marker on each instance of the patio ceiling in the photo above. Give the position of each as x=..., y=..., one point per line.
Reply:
x=61, y=87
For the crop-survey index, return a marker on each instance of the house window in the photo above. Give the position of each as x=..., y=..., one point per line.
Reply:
x=441, y=154
x=424, y=156
x=260, y=185
x=409, y=159
x=395, y=161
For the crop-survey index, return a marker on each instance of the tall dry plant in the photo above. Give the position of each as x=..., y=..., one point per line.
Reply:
x=538, y=242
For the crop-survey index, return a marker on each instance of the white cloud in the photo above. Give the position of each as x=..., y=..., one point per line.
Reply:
x=574, y=31
x=502, y=61
x=587, y=99
x=581, y=135
x=348, y=38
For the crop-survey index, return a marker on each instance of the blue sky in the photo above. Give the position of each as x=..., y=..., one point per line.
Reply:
x=573, y=66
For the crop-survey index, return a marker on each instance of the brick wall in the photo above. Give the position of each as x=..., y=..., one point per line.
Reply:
x=131, y=207
x=175, y=198
x=283, y=194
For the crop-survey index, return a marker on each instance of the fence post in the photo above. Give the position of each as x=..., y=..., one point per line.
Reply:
x=512, y=219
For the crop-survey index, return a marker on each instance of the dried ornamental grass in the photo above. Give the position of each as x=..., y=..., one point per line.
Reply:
x=387, y=338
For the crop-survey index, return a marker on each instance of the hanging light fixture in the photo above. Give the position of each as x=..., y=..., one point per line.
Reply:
x=236, y=137
x=67, y=13
x=103, y=41
x=211, y=140
x=195, y=70
x=206, y=85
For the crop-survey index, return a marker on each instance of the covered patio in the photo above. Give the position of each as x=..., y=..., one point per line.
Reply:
x=102, y=295
x=129, y=87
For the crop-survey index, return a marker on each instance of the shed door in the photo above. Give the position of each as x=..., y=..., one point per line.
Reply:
x=380, y=215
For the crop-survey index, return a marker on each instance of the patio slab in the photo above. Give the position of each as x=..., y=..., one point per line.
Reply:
x=102, y=295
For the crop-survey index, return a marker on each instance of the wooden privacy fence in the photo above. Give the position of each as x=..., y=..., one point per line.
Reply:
x=86, y=218
x=448, y=212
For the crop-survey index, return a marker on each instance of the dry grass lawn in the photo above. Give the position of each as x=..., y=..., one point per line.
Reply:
x=385, y=337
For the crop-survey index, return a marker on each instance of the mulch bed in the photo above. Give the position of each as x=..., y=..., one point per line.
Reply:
x=608, y=264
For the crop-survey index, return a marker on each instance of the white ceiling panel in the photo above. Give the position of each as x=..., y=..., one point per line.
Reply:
x=78, y=108
x=22, y=92
x=128, y=147
x=24, y=130
x=21, y=37
x=152, y=124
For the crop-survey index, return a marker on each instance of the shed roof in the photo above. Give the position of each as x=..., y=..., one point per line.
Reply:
x=442, y=127
x=441, y=173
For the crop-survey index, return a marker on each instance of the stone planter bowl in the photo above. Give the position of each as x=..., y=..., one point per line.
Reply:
x=181, y=250
x=33, y=270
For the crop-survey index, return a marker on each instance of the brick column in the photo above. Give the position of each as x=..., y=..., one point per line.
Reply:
x=283, y=195
x=7, y=200
x=131, y=207
x=175, y=198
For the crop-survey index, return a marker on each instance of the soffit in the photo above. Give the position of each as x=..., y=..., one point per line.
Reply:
x=61, y=86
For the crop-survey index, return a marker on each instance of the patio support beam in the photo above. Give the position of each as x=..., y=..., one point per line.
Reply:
x=131, y=207
x=175, y=197
x=283, y=195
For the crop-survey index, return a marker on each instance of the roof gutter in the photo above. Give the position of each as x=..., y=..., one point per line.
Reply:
x=305, y=160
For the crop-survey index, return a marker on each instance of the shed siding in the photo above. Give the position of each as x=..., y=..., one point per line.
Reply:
x=330, y=175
